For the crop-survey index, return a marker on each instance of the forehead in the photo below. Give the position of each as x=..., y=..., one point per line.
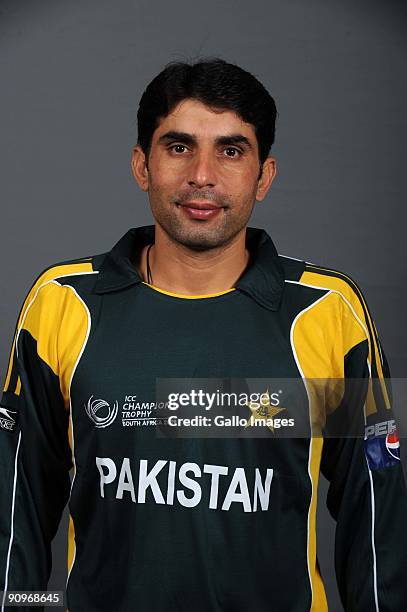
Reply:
x=194, y=117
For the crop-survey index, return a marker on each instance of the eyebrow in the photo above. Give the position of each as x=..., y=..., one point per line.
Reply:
x=191, y=139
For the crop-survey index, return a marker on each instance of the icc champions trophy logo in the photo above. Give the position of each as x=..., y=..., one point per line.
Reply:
x=98, y=405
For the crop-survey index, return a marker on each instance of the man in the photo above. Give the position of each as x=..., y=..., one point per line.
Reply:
x=204, y=523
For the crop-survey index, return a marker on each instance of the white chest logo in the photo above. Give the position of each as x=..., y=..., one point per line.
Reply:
x=98, y=405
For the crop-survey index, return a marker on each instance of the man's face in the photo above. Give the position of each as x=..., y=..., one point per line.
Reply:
x=199, y=159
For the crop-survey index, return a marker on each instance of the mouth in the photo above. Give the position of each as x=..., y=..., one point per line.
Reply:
x=199, y=209
x=200, y=205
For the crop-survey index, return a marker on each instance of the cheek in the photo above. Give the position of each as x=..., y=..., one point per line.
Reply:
x=244, y=173
x=165, y=173
x=242, y=182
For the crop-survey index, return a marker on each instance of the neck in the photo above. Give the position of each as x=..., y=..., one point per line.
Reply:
x=178, y=269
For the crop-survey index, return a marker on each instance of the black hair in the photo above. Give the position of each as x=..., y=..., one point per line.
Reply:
x=217, y=84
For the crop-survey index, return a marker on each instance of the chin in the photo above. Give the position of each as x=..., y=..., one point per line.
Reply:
x=198, y=235
x=199, y=242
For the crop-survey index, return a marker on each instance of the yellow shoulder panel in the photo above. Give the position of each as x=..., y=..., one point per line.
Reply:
x=341, y=284
x=323, y=334
x=40, y=315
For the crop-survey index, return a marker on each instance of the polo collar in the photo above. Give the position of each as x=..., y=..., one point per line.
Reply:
x=263, y=279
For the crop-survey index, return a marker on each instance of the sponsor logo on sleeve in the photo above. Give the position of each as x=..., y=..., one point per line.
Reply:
x=8, y=418
x=382, y=445
x=393, y=445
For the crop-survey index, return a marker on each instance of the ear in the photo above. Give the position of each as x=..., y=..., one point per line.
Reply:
x=139, y=167
x=267, y=177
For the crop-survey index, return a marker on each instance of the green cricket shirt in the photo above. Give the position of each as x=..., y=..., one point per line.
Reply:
x=222, y=524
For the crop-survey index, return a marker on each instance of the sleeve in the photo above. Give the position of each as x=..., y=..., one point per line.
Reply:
x=35, y=454
x=367, y=493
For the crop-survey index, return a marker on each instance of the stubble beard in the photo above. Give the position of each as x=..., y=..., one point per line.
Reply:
x=199, y=235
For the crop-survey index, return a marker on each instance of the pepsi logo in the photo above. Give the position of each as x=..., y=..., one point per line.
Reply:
x=393, y=445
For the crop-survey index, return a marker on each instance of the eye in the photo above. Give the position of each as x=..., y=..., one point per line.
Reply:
x=177, y=148
x=232, y=152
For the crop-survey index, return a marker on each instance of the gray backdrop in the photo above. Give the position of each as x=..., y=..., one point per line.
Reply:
x=71, y=77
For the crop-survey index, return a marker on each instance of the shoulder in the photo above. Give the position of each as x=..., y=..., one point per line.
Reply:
x=325, y=278
x=342, y=285
x=355, y=313
x=338, y=289
x=60, y=270
x=68, y=272
x=343, y=295
x=47, y=288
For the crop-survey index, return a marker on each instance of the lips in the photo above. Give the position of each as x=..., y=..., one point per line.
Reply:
x=200, y=205
x=200, y=211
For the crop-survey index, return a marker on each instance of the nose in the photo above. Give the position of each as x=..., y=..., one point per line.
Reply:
x=201, y=171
